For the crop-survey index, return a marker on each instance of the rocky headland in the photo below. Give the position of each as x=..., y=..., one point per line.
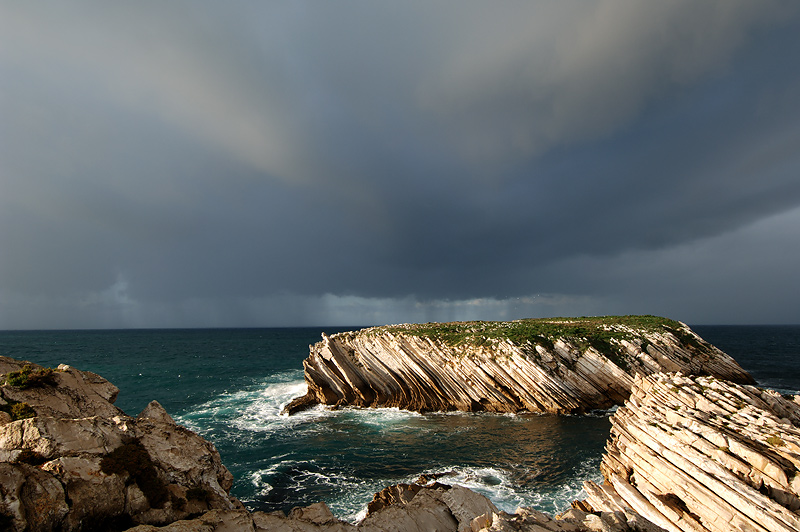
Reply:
x=558, y=366
x=686, y=453
x=72, y=461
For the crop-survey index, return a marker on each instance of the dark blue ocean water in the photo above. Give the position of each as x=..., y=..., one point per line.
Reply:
x=230, y=385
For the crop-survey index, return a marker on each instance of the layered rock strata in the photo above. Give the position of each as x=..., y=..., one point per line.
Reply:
x=72, y=461
x=696, y=454
x=686, y=454
x=556, y=366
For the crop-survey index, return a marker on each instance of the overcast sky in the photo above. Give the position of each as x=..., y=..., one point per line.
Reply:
x=198, y=163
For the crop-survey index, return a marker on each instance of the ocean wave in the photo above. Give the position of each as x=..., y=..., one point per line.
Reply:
x=510, y=489
x=347, y=495
x=319, y=454
x=255, y=408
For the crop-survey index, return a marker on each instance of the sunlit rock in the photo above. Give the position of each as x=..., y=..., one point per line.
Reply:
x=71, y=460
x=702, y=454
x=565, y=365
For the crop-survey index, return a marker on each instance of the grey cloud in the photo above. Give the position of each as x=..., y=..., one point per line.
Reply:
x=588, y=73
x=288, y=163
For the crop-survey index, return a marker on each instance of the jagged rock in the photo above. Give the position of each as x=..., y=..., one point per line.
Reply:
x=556, y=366
x=70, y=393
x=685, y=454
x=528, y=520
x=80, y=463
x=33, y=499
x=397, y=494
x=407, y=508
x=76, y=462
x=212, y=521
x=701, y=454
x=421, y=508
x=314, y=518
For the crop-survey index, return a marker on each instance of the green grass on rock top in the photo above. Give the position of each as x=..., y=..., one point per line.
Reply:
x=592, y=330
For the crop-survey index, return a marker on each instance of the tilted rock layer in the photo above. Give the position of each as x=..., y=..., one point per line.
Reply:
x=72, y=461
x=696, y=454
x=563, y=365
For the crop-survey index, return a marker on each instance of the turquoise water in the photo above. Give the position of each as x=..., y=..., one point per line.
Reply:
x=230, y=385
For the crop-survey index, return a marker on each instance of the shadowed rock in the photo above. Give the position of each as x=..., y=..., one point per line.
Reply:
x=71, y=460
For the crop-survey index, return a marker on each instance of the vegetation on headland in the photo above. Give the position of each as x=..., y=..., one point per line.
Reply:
x=18, y=410
x=598, y=330
x=26, y=377
x=29, y=377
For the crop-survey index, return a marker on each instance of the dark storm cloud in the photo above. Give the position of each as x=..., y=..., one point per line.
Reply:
x=257, y=164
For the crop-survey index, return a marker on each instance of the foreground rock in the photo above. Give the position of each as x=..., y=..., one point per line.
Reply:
x=413, y=508
x=700, y=454
x=556, y=366
x=574, y=520
x=71, y=460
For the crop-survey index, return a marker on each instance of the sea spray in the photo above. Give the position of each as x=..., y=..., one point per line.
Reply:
x=234, y=383
x=343, y=456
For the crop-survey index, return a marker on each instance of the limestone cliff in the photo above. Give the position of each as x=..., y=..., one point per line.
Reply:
x=686, y=454
x=697, y=454
x=72, y=461
x=562, y=365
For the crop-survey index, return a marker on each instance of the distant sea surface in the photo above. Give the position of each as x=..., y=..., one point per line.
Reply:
x=229, y=385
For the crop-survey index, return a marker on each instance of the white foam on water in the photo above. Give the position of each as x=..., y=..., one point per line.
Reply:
x=494, y=483
x=499, y=486
x=260, y=478
x=256, y=408
x=358, y=516
x=386, y=419
x=304, y=475
x=559, y=499
x=354, y=492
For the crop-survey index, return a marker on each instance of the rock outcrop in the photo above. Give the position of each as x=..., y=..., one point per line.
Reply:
x=696, y=454
x=573, y=520
x=413, y=508
x=685, y=454
x=556, y=365
x=71, y=460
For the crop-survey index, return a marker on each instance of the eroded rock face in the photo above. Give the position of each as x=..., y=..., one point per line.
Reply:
x=414, y=508
x=71, y=394
x=685, y=454
x=418, y=369
x=76, y=462
x=404, y=508
x=574, y=520
x=701, y=454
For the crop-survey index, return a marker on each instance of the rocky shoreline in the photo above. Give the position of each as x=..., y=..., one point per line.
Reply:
x=701, y=454
x=558, y=366
x=685, y=453
x=72, y=461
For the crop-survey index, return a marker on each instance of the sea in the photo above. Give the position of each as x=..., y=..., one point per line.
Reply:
x=229, y=385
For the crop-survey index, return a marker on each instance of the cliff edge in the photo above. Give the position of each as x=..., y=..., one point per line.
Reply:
x=559, y=365
x=685, y=454
x=71, y=461
x=697, y=454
